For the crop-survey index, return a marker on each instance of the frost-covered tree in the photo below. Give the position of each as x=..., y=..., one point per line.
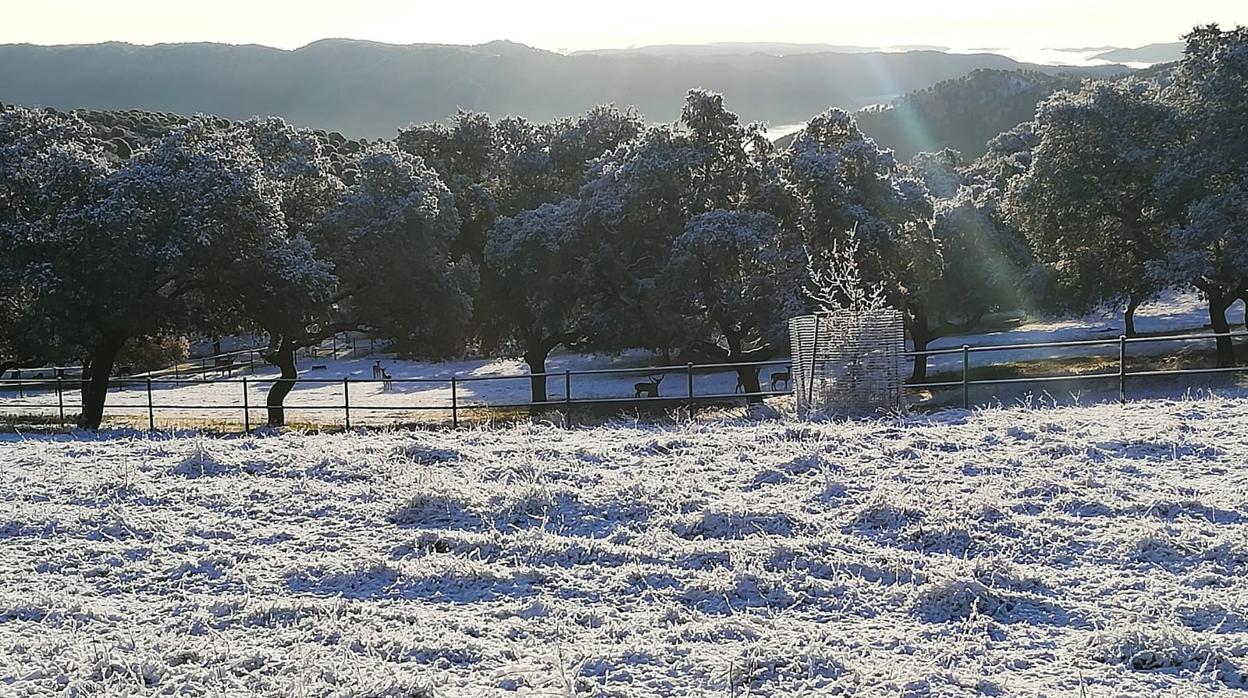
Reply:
x=378, y=259
x=985, y=260
x=843, y=181
x=500, y=169
x=1089, y=204
x=156, y=244
x=288, y=288
x=50, y=165
x=1207, y=175
x=834, y=282
x=278, y=283
x=1009, y=156
x=725, y=277
x=643, y=198
x=536, y=256
x=941, y=172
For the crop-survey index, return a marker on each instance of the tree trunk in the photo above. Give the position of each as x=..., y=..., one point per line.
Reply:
x=1218, y=303
x=920, y=336
x=536, y=359
x=1128, y=317
x=283, y=357
x=748, y=375
x=95, y=385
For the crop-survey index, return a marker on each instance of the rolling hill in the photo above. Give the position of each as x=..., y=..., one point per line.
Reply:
x=369, y=89
x=963, y=113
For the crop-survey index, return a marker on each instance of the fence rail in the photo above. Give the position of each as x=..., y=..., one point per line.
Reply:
x=1122, y=374
x=685, y=395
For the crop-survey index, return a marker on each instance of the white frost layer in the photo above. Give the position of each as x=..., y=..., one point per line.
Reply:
x=1076, y=551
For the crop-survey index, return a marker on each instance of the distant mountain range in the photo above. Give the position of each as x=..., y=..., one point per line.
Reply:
x=771, y=48
x=366, y=89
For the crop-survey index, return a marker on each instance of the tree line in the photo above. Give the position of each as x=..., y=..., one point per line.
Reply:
x=602, y=232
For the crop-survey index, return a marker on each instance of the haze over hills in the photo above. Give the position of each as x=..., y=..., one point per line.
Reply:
x=369, y=89
x=1077, y=56
x=1152, y=53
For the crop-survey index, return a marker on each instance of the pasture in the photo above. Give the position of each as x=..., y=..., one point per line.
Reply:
x=1097, y=550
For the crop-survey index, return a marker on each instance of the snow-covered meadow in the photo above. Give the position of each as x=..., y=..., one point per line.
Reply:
x=1089, y=551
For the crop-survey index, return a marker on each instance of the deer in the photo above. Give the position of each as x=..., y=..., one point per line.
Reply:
x=782, y=377
x=377, y=370
x=651, y=389
x=386, y=385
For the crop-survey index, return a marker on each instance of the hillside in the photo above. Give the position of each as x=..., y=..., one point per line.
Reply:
x=369, y=89
x=963, y=113
x=1153, y=53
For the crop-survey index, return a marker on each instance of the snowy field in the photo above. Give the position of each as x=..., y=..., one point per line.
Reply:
x=1094, y=551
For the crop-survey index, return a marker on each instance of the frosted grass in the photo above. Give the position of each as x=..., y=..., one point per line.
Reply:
x=1073, y=551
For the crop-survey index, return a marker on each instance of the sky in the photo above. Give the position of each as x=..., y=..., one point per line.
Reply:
x=567, y=25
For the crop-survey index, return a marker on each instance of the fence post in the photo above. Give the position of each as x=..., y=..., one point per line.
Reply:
x=966, y=370
x=246, y=408
x=454, y=403
x=151, y=411
x=689, y=387
x=60, y=396
x=814, y=361
x=346, y=401
x=567, y=398
x=1122, y=369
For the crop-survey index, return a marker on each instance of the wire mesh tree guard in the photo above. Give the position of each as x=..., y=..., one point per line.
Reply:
x=847, y=362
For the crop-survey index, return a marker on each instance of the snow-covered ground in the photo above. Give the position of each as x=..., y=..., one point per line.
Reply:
x=1090, y=551
x=1174, y=314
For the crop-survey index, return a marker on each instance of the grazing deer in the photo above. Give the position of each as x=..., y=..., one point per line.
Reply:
x=386, y=385
x=651, y=389
x=777, y=378
x=377, y=370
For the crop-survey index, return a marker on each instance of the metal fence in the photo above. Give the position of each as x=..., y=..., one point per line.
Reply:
x=357, y=401
x=349, y=408
x=1121, y=374
x=226, y=362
